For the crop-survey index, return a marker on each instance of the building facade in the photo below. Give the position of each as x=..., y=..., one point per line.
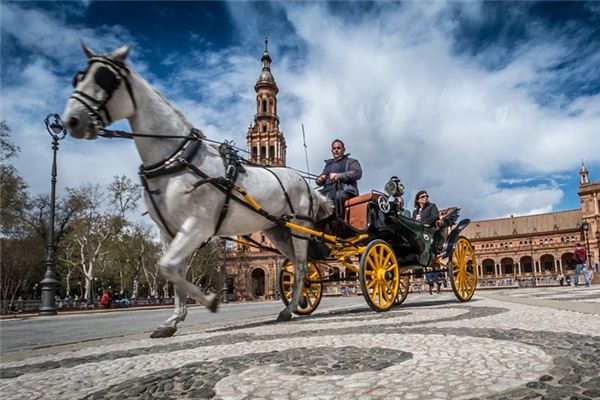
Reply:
x=519, y=250
x=514, y=251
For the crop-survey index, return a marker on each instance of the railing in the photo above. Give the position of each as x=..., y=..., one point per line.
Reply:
x=545, y=280
x=25, y=306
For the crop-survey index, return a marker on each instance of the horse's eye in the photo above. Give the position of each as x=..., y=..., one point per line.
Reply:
x=77, y=77
x=106, y=79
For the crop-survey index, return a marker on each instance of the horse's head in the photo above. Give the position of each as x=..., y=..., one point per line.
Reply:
x=102, y=94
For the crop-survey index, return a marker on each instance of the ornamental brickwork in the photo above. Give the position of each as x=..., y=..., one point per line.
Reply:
x=518, y=250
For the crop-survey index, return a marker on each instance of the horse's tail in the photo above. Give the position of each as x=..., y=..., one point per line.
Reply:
x=324, y=205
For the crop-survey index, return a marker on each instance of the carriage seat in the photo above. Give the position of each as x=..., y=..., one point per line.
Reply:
x=356, y=210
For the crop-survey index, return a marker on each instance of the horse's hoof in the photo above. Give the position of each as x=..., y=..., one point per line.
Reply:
x=284, y=315
x=163, y=332
x=302, y=303
x=213, y=304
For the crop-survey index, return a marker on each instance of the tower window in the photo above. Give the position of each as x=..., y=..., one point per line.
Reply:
x=254, y=151
x=264, y=106
x=264, y=128
x=263, y=153
x=271, y=152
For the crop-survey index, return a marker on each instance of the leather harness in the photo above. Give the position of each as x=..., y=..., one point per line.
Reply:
x=109, y=77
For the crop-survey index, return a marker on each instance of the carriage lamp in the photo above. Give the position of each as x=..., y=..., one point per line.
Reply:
x=57, y=131
x=394, y=187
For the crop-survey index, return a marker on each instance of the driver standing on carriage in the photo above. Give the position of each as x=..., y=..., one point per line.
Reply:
x=340, y=175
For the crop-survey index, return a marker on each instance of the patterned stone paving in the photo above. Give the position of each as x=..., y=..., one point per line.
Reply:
x=433, y=349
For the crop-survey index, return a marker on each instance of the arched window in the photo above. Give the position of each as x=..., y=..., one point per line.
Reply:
x=263, y=153
x=264, y=128
x=271, y=152
x=264, y=106
x=254, y=151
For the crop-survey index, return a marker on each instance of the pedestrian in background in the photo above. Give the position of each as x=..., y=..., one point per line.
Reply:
x=580, y=258
x=105, y=300
x=561, y=278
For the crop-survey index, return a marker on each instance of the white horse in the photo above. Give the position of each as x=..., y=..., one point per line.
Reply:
x=109, y=90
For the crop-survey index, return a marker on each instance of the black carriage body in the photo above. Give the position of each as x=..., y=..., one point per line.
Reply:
x=414, y=244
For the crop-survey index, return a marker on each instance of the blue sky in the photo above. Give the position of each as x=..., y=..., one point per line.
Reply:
x=489, y=106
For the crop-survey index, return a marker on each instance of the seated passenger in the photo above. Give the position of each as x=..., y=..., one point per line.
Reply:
x=339, y=176
x=425, y=211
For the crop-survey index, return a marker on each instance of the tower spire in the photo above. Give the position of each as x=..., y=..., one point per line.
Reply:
x=266, y=143
x=583, y=174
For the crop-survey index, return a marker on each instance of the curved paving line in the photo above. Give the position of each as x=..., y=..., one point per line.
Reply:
x=198, y=380
x=475, y=312
x=576, y=358
x=574, y=375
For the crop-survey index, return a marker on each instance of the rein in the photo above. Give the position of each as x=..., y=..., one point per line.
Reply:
x=110, y=134
x=181, y=160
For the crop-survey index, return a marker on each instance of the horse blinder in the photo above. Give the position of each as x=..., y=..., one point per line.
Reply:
x=103, y=77
x=106, y=79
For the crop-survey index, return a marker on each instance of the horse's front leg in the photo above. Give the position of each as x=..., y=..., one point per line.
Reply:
x=169, y=327
x=172, y=268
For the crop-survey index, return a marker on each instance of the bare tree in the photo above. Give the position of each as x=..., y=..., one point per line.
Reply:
x=202, y=266
x=7, y=148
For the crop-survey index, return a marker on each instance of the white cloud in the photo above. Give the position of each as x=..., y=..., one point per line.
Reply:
x=388, y=81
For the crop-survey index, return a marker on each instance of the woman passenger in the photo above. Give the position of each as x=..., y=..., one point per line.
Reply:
x=425, y=211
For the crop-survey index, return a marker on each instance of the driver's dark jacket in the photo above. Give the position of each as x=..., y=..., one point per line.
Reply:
x=429, y=214
x=348, y=170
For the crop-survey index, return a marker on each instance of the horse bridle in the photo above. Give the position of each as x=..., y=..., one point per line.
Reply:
x=109, y=77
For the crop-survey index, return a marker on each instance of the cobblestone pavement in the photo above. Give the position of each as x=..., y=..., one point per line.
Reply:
x=435, y=348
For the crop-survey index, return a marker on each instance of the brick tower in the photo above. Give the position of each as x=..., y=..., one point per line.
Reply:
x=265, y=141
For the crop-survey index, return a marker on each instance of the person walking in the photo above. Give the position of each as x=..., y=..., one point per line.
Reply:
x=580, y=258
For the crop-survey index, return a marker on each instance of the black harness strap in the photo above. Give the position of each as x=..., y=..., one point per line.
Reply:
x=156, y=209
x=175, y=163
x=287, y=196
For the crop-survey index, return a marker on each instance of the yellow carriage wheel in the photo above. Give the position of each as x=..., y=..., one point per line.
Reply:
x=463, y=269
x=403, y=288
x=312, y=289
x=378, y=275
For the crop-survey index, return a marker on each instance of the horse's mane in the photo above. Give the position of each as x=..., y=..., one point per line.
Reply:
x=167, y=103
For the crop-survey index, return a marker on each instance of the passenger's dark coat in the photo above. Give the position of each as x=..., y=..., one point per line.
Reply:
x=429, y=214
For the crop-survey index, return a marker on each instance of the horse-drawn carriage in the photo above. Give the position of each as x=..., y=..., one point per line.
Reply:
x=384, y=247
x=195, y=190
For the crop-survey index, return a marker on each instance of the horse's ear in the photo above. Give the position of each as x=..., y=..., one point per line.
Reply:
x=88, y=52
x=121, y=53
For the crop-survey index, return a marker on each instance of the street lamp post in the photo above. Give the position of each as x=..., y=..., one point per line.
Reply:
x=225, y=289
x=57, y=131
x=586, y=227
x=532, y=262
x=94, y=289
